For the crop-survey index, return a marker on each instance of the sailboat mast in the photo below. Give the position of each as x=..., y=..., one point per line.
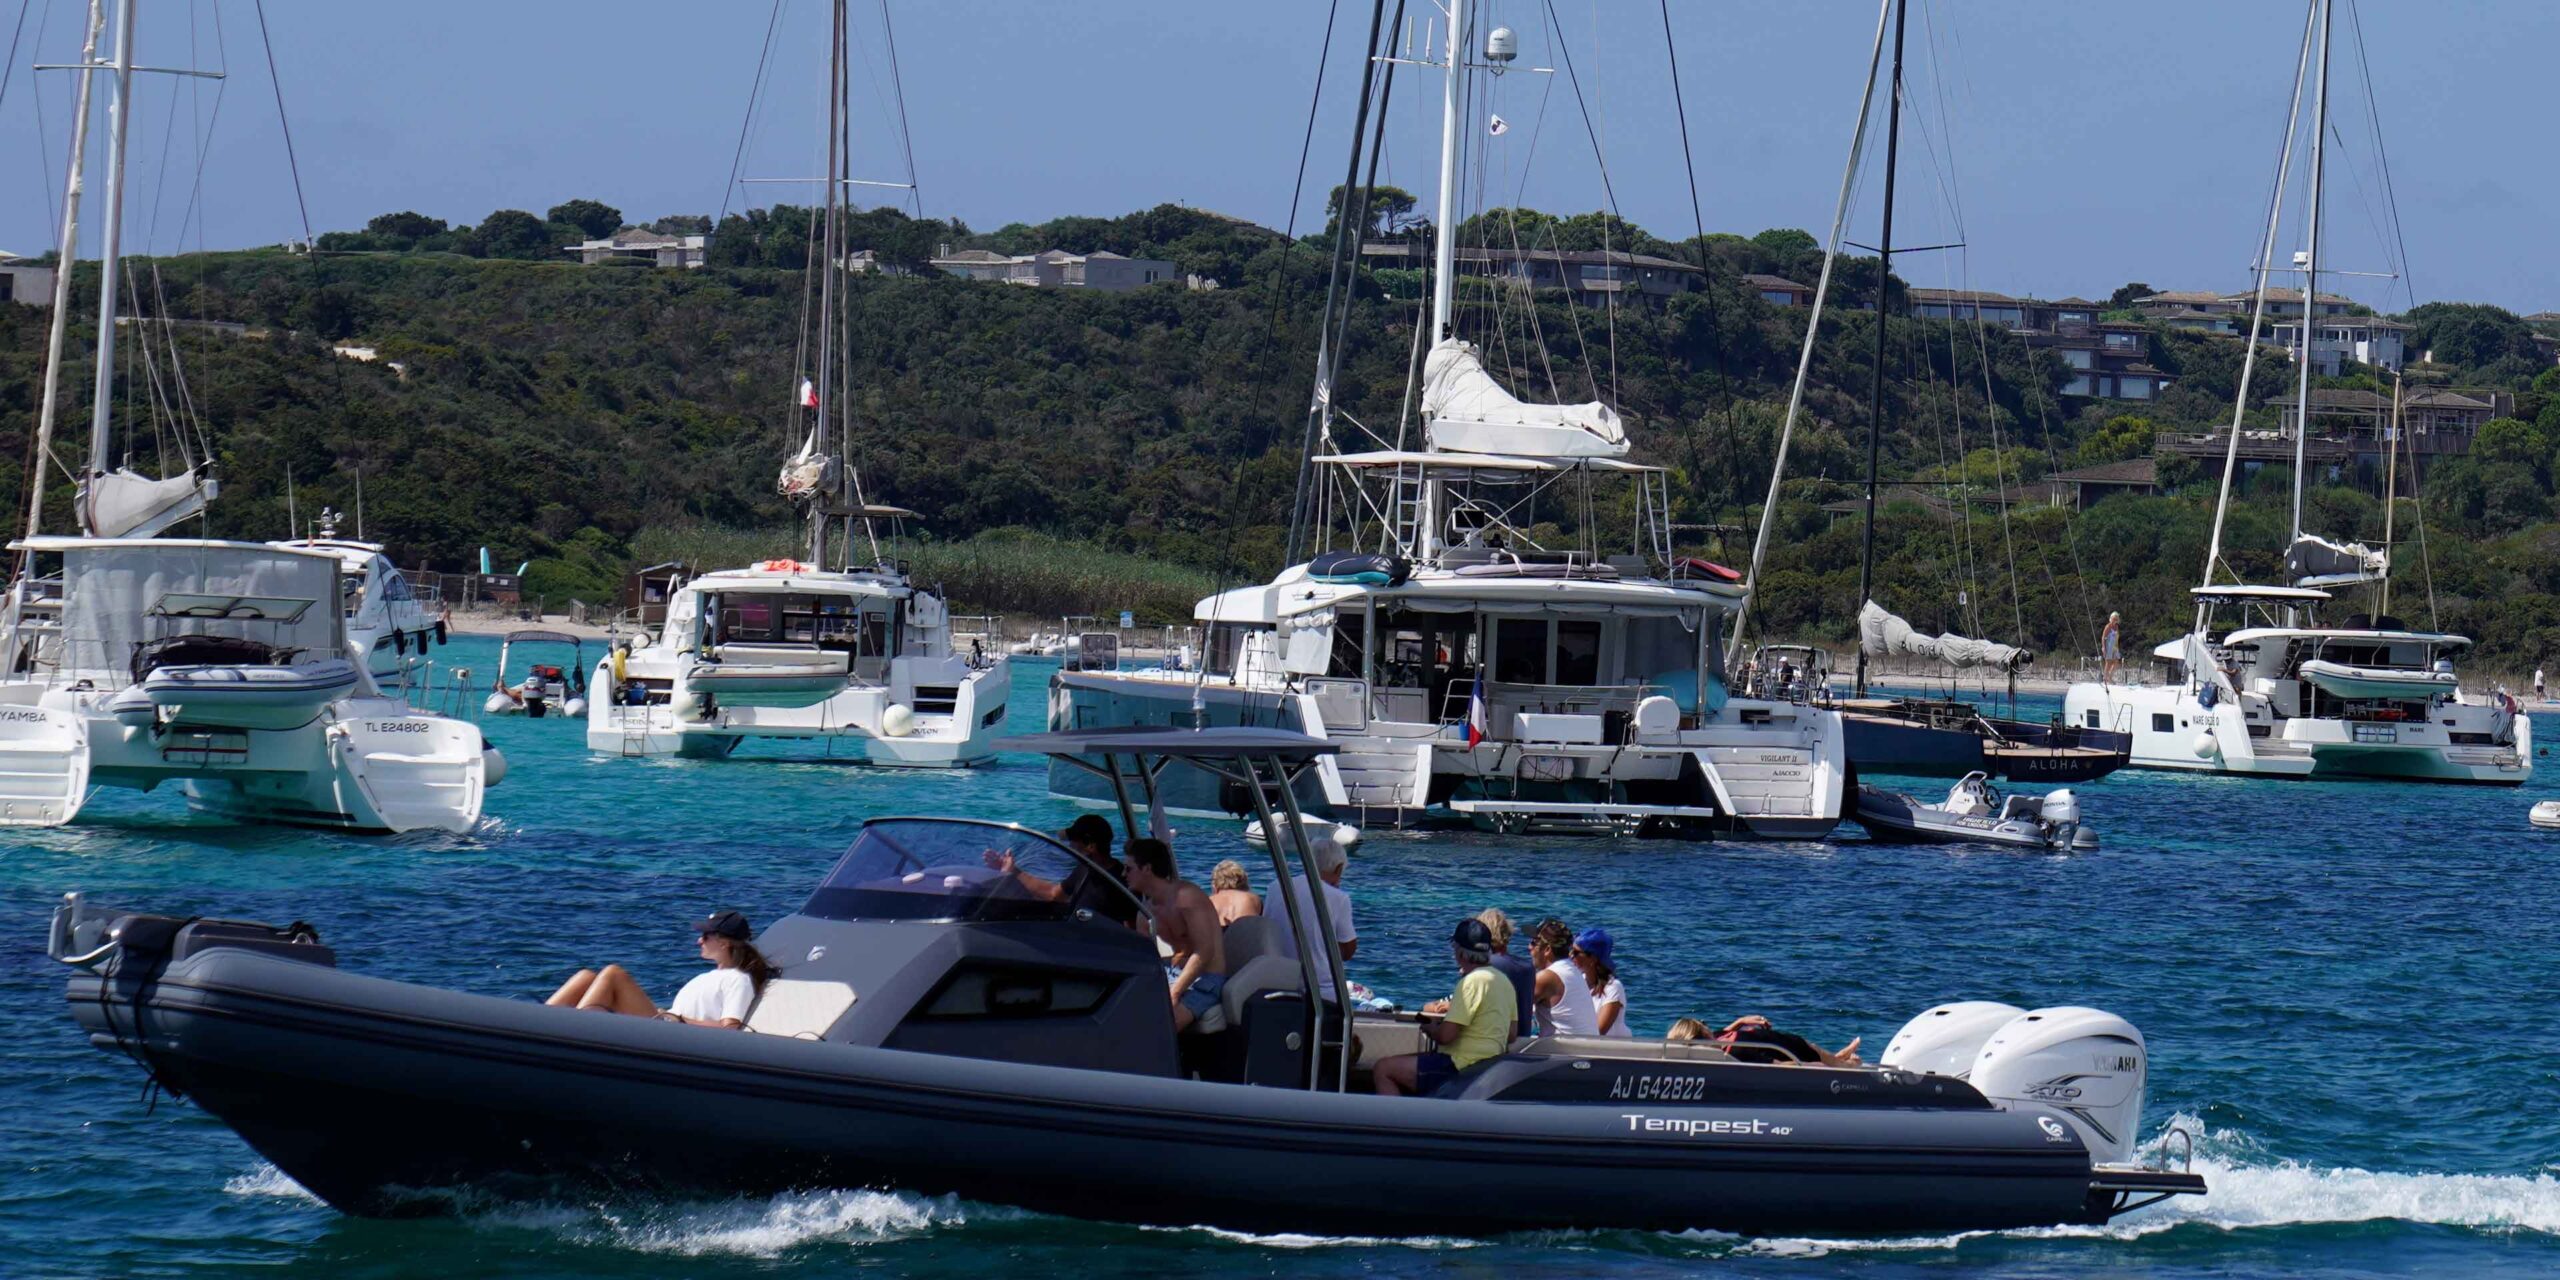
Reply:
x=2390, y=496
x=2311, y=265
x=59, y=327
x=1884, y=280
x=110, y=252
x=828, y=249
x=1444, y=255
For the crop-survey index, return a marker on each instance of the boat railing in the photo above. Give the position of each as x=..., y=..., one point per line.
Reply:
x=1505, y=702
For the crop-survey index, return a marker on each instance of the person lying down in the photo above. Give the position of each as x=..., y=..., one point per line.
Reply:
x=1750, y=1038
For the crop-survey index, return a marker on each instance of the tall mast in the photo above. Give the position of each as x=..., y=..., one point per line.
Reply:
x=2311, y=264
x=828, y=249
x=110, y=251
x=2390, y=494
x=1884, y=279
x=1444, y=255
x=70, y=242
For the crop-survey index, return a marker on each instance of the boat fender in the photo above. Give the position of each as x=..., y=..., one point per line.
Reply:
x=2087, y=1065
x=898, y=721
x=444, y=634
x=1945, y=1040
x=685, y=704
x=493, y=764
x=2207, y=746
x=400, y=642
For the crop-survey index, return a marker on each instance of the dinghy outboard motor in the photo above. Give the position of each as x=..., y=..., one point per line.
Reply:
x=2061, y=814
x=2087, y=1066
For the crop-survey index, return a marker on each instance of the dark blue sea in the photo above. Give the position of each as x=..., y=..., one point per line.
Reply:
x=2347, y=991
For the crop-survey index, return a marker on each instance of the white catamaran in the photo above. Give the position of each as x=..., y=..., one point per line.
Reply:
x=823, y=647
x=130, y=659
x=2258, y=688
x=1464, y=667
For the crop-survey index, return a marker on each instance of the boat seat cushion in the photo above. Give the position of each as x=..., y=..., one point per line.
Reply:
x=799, y=1008
x=1263, y=973
x=1249, y=938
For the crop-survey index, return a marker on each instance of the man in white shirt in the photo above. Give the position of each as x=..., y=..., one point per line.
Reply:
x=1284, y=902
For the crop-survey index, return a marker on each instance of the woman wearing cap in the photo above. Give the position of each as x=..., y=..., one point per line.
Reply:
x=720, y=998
x=1595, y=953
x=1563, y=995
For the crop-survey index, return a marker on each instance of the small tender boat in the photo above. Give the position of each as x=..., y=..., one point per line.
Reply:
x=248, y=697
x=961, y=1012
x=2545, y=815
x=1975, y=813
x=2373, y=684
x=768, y=684
x=547, y=686
x=1343, y=833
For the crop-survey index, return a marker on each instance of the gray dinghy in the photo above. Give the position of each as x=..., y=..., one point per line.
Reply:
x=1976, y=813
x=944, y=1027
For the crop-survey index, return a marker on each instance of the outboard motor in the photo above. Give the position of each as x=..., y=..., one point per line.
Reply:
x=1945, y=1040
x=2088, y=1065
x=2061, y=814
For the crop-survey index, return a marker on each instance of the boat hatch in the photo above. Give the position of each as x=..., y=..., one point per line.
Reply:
x=244, y=608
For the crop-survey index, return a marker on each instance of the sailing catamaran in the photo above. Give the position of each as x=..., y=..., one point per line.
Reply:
x=1465, y=667
x=131, y=659
x=823, y=647
x=2258, y=688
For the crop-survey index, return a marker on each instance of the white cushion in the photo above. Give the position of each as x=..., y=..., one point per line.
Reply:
x=799, y=1008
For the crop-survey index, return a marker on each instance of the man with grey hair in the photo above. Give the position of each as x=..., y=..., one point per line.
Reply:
x=1289, y=906
x=1474, y=1024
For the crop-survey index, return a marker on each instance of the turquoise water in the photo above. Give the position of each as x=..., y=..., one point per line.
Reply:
x=2346, y=990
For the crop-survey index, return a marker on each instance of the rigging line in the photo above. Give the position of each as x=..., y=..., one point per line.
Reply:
x=898, y=89
x=755, y=93
x=9, y=69
x=53, y=194
x=284, y=124
x=1706, y=273
x=2382, y=154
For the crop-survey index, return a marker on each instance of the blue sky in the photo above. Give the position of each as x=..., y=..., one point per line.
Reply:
x=2088, y=144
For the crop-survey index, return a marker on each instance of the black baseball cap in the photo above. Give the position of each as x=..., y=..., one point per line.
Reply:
x=1472, y=935
x=727, y=924
x=1088, y=829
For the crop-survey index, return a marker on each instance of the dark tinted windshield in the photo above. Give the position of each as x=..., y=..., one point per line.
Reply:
x=948, y=869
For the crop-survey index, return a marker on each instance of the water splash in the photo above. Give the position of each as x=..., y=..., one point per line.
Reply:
x=269, y=1182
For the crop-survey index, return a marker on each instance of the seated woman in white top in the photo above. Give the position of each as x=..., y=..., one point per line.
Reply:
x=1595, y=953
x=720, y=998
x=1565, y=1006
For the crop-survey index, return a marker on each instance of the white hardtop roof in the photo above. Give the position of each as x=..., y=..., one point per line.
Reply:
x=781, y=575
x=2251, y=635
x=2273, y=595
x=1450, y=591
x=65, y=542
x=1455, y=461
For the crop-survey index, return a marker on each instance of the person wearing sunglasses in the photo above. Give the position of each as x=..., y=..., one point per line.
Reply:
x=720, y=998
x=1562, y=994
x=1595, y=954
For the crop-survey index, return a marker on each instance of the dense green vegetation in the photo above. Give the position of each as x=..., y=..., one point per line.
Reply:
x=1077, y=452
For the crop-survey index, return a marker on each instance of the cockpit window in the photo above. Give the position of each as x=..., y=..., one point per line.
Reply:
x=947, y=869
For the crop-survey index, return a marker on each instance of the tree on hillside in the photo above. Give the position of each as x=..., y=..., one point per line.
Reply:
x=2126, y=295
x=509, y=233
x=409, y=227
x=594, y=217
x=2469, y=333
x=1390, y=210
x=682, y=224
x=2124, y=436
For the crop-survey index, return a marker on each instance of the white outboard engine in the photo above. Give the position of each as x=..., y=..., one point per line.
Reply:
x=2061, y=814
x=2086, y=1065
x=1945, y=1040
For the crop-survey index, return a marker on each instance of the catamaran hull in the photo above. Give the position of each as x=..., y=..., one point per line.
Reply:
x=388, y=1099
x=2173, y=730
x=959, y=731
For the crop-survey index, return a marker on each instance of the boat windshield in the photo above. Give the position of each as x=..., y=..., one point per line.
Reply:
x=957, y=870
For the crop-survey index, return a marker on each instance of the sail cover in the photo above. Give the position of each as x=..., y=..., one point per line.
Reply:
x=2318, y=562
x=1469, y=412
x=1883, y=635
x=127, y=504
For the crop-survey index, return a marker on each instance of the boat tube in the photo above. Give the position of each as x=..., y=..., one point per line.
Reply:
x=1974, y=813
x=2545, y=815
x=768, y=684
x=248, y=697
x=960, y=1012
x=2362, y=684
x=1360, y=569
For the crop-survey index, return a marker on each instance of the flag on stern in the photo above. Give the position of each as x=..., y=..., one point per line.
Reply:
x=1476, y=722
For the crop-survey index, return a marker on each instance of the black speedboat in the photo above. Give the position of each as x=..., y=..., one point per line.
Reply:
x=942, y=1026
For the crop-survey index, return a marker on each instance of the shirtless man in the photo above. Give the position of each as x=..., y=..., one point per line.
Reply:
x=1187, y=922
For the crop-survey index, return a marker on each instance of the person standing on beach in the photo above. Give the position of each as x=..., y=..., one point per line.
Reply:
x=2538, y=694
x=2111, y=648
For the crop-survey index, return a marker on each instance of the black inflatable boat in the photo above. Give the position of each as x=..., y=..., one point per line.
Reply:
x=942, y=1026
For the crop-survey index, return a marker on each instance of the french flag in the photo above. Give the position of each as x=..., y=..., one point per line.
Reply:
x=1476, y=721
x=808, y=394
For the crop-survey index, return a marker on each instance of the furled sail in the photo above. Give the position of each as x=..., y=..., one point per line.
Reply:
x=808, y=474
x=1883, y=635
x=124, y=503
x=1469, y=412
x=2318, y=562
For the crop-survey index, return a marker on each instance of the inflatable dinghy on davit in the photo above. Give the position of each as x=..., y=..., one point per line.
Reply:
x=951, y=1020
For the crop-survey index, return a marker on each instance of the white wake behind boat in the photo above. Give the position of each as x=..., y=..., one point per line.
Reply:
x=2340, y=680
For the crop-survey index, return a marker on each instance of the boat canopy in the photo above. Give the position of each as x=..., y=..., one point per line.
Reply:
x=1459, y=463
x=2434, y=639
x=2237, y=593
x=1470, y=412
x=1884, y=635
x=119, y=594
x=541, y=637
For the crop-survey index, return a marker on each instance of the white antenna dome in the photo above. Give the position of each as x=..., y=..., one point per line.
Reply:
x=1501, y=45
